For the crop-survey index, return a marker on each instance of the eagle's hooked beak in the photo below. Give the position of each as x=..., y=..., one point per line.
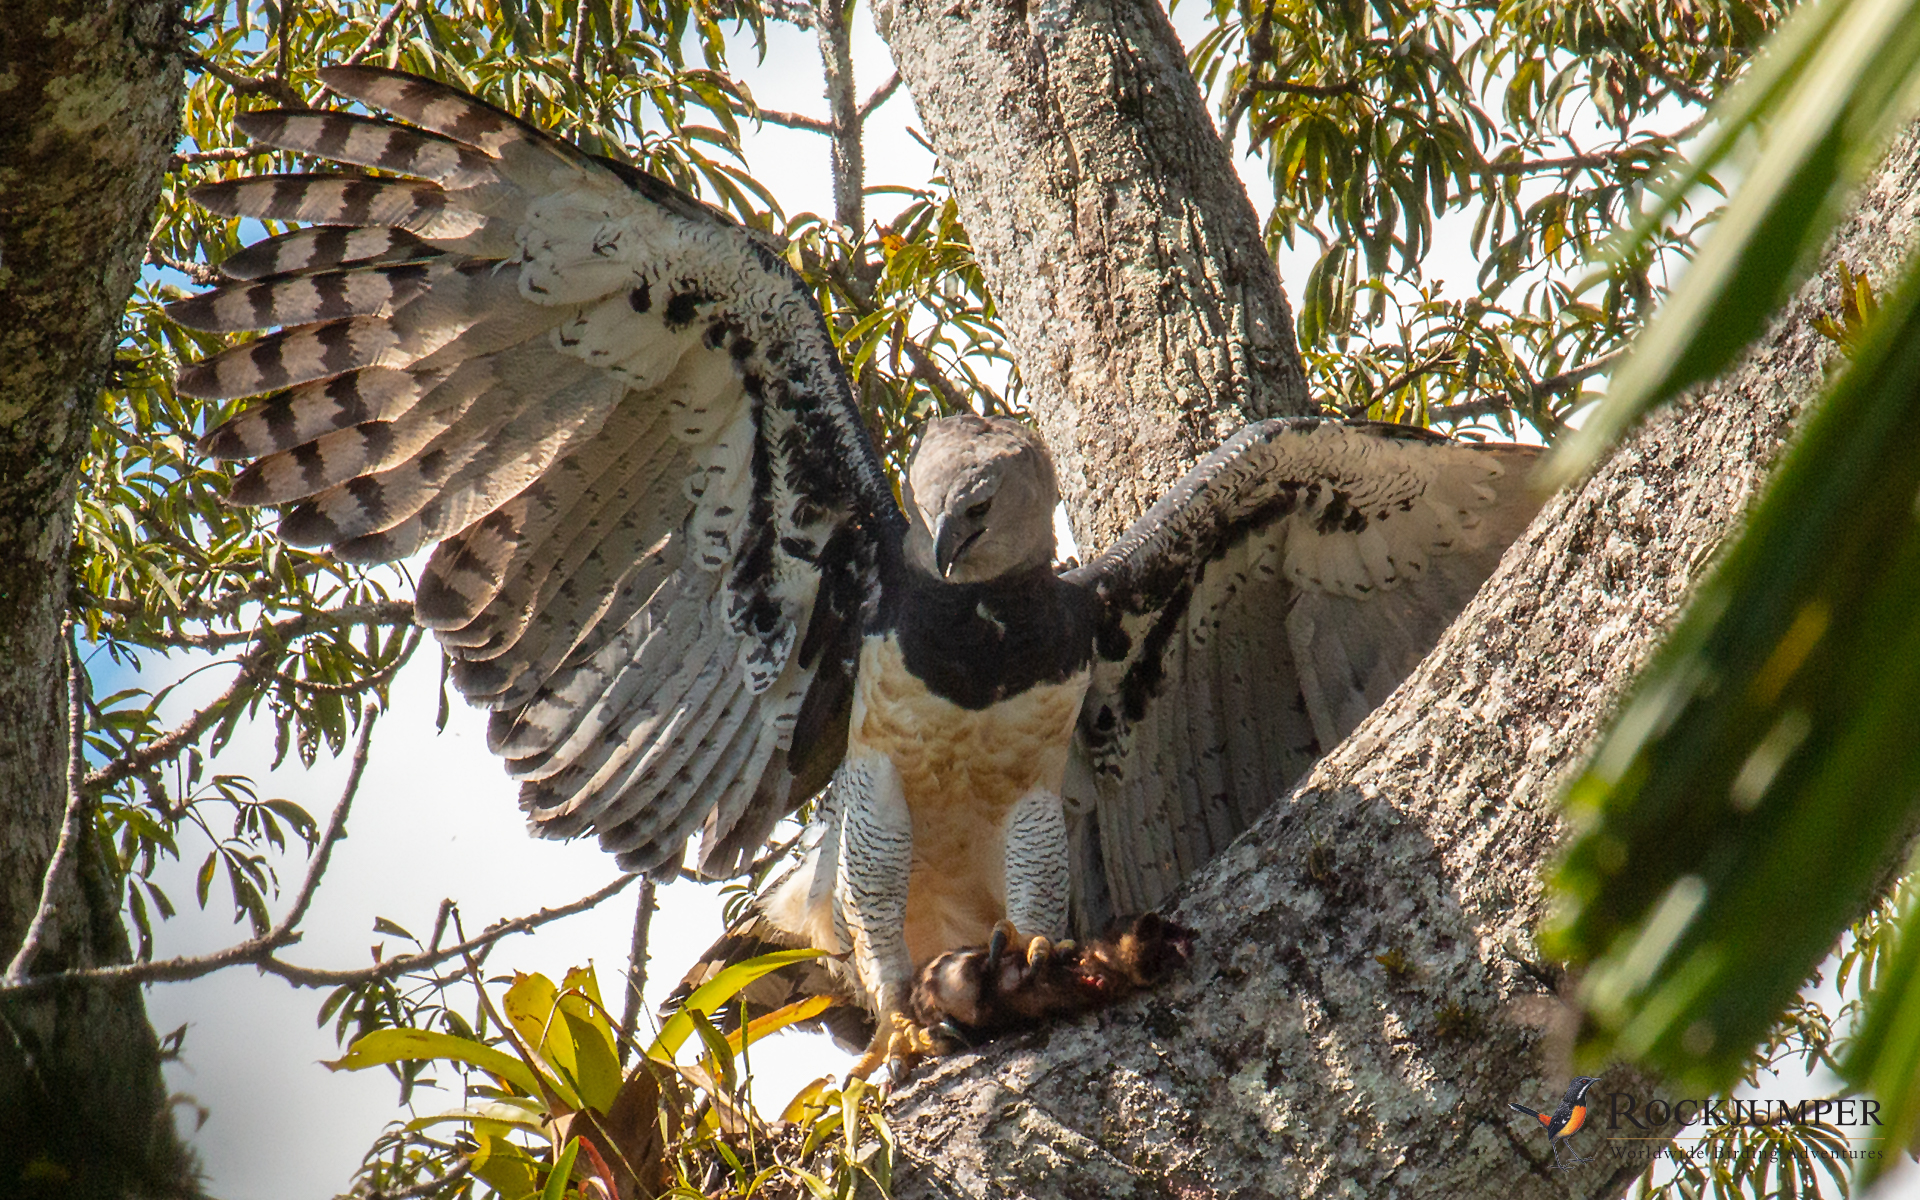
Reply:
x=953, y=533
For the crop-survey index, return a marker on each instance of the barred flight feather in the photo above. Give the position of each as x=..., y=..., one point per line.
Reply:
x=299, y=415
x=1255, y=615
x=551, y=364
x=465, y=591
x=324, y=246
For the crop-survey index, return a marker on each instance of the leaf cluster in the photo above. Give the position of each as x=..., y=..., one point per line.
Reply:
x=1536, y=124
x=549, y=1110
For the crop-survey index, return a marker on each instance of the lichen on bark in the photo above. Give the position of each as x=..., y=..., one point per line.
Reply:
x=89, y=95
x=1146, y=317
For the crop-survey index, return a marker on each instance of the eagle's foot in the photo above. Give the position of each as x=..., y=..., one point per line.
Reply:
x=972, y=995
x=899, y=1042
x=1035, y=951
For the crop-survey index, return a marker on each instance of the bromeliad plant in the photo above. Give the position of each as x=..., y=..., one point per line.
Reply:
x=551, y=1112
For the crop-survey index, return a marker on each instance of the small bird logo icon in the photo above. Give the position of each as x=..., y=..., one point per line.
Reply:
x=1566, y=1120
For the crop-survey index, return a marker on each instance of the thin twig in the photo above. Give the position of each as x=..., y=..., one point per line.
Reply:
x=246, y=85
x=794, y=12
x=928, y=372
x=255, y=666
x=880, y=96
x=426, y=1187
x=1345, y=87
x=250, y=952
x=440, y=924
x=224, y=154
x=1570, y=162
x=579, y=68
x=638, y=955
x=384, y=613
x=284, y=930
x=200, y=273
x=78, y=819
x=1394, y=384
x=378, y=33
x=773, y=116
x=311, y=977
x=1554, y=384
x=833, y=28
x=226, y=606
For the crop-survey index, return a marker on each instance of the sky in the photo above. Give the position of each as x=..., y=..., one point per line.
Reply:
x=436, y=817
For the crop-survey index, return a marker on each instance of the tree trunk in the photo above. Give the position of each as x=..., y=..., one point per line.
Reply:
x=1367, y=996
x=1146, y=317
x=90, y=94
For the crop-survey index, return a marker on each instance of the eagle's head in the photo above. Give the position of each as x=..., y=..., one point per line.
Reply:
x=981, y=493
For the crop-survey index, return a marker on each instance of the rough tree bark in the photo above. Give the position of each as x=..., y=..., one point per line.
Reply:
x=1368, y=995
x=1122, y=251
x=89, y=94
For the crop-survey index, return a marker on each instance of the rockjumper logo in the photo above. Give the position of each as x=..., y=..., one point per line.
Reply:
x=1627, y=1117
x=1565, y=1121
x=1657, y=1113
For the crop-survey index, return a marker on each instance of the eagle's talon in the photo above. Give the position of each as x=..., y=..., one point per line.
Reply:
x=1003, y=934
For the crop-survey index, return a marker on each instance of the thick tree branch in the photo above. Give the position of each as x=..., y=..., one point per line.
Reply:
x=93, y=95
x=1123, y=255
x=833, y=26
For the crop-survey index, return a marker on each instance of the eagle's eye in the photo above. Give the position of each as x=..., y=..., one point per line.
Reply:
x=978, y=512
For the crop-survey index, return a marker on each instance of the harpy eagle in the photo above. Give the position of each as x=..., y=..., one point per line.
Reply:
x=671, y=566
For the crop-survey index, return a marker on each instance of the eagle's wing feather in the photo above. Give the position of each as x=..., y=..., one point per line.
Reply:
x=1253, y=617
x=620, y=416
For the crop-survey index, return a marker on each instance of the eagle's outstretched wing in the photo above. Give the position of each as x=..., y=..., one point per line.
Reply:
x=1253, y=617
x=617, y=411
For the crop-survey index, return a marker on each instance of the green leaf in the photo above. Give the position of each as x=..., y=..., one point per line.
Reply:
x=709, y=996
x=505, y=1167
x=384, y=1046
x=596, y=1070
x=507, y=1112
x=530, y=1004
x=1753, y=790
x=562, y=1171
